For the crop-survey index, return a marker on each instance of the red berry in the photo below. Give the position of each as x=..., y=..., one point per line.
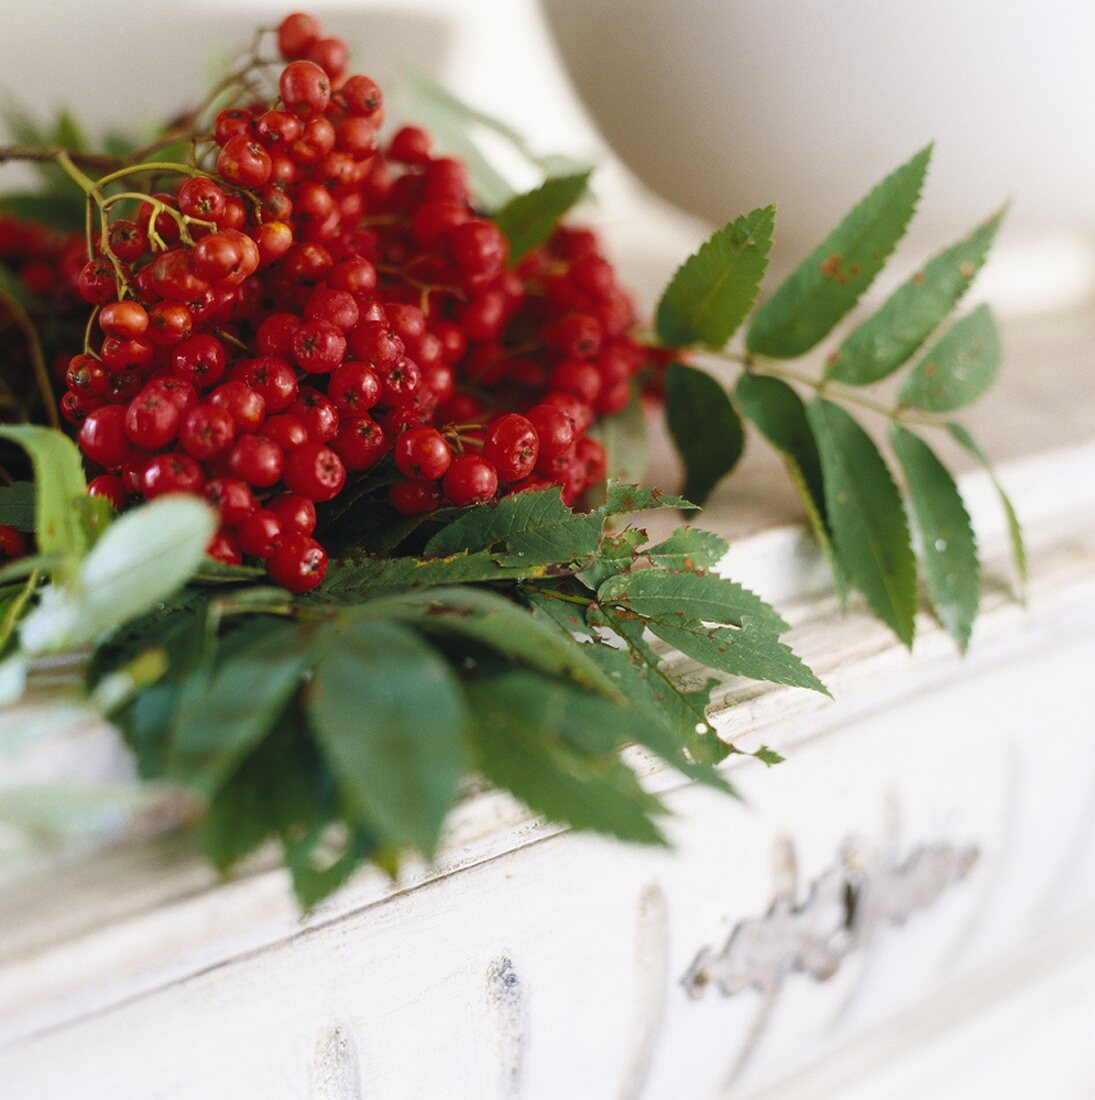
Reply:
x=577, y=377
x=224, y=548
x=354, y=274
x=178, y=391
x=275, y=334
x=513, y=446
x=96, y=282
x=360, y=443
x=577, y=334
x=399, y=382
x=201, y=198
x=103, y=438
x=298, y=564
x=422, y=453
x=305, y=88
x=231, y=122
x=110, y=488
x=296, y=514
x=13, y=543
x=259, y=533
x=335, y=306
x=232, y=498
x=246, y=406
x=331, y=54
x=173, y=473
x=200, y=360
x=151, y=420
x=126, y=320
x=414, y=498
x=318, y=412
x=278, y=128
x=376, y=343
x=354, y=387
x=410, y=145
x=256, y=460
x=270, y=376
x=470, y=478
x=296, y=33
x=86, y=375
x=287, y=431
x=169, y=323
x=479, y=248
x=206, y=431
x=554, y=429
x=362, y=95
x=315, y=472
x=128, y=240
x=318, y=347
x=244, y=161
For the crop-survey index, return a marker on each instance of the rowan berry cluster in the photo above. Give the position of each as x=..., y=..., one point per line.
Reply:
x=319, y=303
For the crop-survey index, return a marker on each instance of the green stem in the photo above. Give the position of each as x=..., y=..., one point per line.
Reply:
x=824, y=387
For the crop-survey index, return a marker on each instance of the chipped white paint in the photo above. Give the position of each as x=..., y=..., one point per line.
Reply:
x=507, y=1013
x=335, y=1072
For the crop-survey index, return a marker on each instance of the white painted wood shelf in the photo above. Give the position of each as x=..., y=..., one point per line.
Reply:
x=905, y=908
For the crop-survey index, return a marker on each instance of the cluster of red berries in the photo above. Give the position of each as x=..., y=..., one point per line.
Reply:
x=320, y=303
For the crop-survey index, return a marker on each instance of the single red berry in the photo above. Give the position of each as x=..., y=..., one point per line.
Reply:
x=590, y=455
x=298, y=564
x=119, y=354
x=287, y=431
x=277, y=128
x=103, y=437
x=576, y=334
x=200, y=360
x=376, y=343
x=399, y=382
x=554, y=429
x=315, y=472
x=256, y=460
x=110, y=488
x=169, y=323
x=224, y=548
x=578, y=412
x=410, y=145
x=128, y=239
x=331, y=54
x=296, y=513
x=270, y=376
x=244, y=161
x=87, y=375
x=356, y=136
x=318, y=412
x=201, y=198
x=513, y=445
x=246, y=406
x=76, y=406
x=178, y=391
x=206, y=431
x=360, y=443
x=305, y=88
x=354, y=387
x=96, y=282
x=318, y=347
x=259, y=533
x=172, y=473
x=13, y=543
x=484, y=316
x=232, y=498
x=422, y=453
x=362, y=95
x=479, y=248
x=151, y=420
x=273, y=239
x=173, y=276
x=296, y=33
x=334, y=306
x=354, y=274
x=230, y=123
x=414, y=498
x=470, y=478
x=577, y=377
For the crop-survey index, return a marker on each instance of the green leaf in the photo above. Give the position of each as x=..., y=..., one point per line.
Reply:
x=832, y=278
x=958, y=368
x=390, y=719
x=222, y=723
x=17, y=505
x=909, y=316
x=351, y=581
x=531, y=737
x=870, y=530
x=706, y=597
x=687, y=550
x=780, y=416
x=623, y=437
x=1015, y=530
x=706, y=430
x=751, y=650
x=949, y=549
x=535, y=526
x=616, y=553
x=58, y=480
x=623, y=498
x=67, y=132
x=528, y=220
x=495, y=622
x=669, y=719
x=713, y=290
